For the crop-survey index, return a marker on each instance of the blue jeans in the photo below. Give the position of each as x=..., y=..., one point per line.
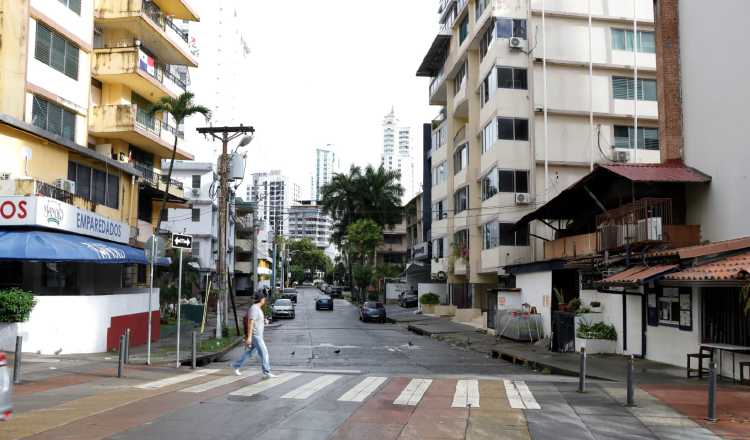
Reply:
x=259, y=345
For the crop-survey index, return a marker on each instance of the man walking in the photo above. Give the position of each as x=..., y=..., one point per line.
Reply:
x=254, y=338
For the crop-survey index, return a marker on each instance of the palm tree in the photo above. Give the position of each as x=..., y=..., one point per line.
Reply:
x=180, y=108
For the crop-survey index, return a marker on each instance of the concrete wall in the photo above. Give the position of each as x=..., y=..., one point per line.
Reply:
x=714, y=111
x=536, y=290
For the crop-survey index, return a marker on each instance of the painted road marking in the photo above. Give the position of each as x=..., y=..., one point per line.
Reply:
x=312, y=387
x=362, y=390
x=259, y=387
x=412, y=394
x=528, y=399
x=467, y=394
x=514, y=398
x=175, y=379
x=203, y=387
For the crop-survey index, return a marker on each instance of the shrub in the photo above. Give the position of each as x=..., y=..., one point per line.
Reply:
x=599, y=330
x=429, y=298
x=574, y=304
x=16, y=305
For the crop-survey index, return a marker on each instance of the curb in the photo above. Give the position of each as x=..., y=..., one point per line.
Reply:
x=208, y=358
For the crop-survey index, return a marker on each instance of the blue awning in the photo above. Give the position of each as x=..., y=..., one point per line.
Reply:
x=33, y=245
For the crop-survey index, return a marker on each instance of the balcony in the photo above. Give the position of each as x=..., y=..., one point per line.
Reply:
x=34, y=187
x=574, y=246
x=133, y=68
x=143, y=20
x=157, y=181
x=133, y=125
x=245, y=267
x=179, y=9
x=438, y=90
x=243, y=245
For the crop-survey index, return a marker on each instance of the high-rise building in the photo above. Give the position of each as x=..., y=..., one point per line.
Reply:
x=397, y=152
x=533, y=94
x=274, y=194
x=307, y=220
x=326, y=165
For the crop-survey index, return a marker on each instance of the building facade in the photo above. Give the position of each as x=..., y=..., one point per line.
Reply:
x=326, y=165
x=274, y=194
x=397, y=152
x=307, y=220
x=82, y=161
x=521, y=120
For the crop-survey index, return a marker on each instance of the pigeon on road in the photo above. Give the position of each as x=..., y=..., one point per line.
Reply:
x=337, y=351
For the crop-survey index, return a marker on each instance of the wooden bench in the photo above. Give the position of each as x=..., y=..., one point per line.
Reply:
x=742, y=371
x=699, y=358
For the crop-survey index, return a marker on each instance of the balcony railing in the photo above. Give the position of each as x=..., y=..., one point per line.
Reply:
x=157, y=16
x=639, y=222
x=154, y=178
x=155, y=126
x=436, y=82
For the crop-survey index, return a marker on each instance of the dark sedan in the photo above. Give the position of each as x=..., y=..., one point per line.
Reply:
x=324, y=303
x=290, y=294
x=408, y=300
x=372, y=311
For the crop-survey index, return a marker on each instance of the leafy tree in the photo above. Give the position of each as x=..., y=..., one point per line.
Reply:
x=388, y=271
x=363, y=276
x=306, y=255
x=180, y=108
x=363, y=237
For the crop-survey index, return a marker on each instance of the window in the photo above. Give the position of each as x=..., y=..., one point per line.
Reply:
x=73, y=5
x=196, y=181
x=440, y=173
x=460, y=158
x=490, y=184
x=490, y=235
x=488, y=137
x=510, y=27
x=512, y=78
x=438, y=209
x=510, y=237
x=513, y=129
x=98, y=186
x=392, y=239
x=648, y=138
x=438, y=249
x=56, y=51
x=623, y=40
x=461, y=239
x=195, y=215
x=461, y=200
x=486, y=41
x=669, y=306
x=479, y=7
x=513, y=181
x=439, y=136
x=459, y=80
x=463, y=29
x=53, y=118
x=60, y=276
x=487, y=88
x=623, y=88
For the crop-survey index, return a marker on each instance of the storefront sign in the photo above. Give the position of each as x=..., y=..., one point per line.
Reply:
x=46, y=212
x=420, y=251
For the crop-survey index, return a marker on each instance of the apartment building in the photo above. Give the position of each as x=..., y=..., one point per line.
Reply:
x=81, y=161
x=307, y=220
x=533, y=94
x=397, y=152
x=274, y=193
x=326, y=165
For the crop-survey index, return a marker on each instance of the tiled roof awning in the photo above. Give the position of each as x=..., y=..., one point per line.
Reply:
x=637, y=275
x=728, y=269
x=703, y=250
x=657, y=173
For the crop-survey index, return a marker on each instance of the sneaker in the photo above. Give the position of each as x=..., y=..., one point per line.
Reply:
x=269, y=375
x=237, y=372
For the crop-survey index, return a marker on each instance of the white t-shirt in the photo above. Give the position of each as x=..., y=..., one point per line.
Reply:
x=259, y=320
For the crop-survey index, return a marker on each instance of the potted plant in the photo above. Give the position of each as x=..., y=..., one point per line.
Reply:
x=561, y=304
x=15, y=307
x=599, y=337
x=428, y=301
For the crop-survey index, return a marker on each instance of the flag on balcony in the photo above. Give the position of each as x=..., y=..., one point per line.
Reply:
x=146, y=63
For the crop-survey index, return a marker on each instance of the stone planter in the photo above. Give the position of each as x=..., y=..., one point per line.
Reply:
x=428, y=309
x=441, y=310
x=8, y=333
x=594, y=346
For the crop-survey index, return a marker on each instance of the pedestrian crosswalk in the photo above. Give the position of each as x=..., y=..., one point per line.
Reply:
x=466, y=393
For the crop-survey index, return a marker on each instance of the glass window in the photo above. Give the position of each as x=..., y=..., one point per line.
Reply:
x=463, y=29
x=490, y=184
x=513, y=129
x=623, y=88
x=56, y=51
x=490, y=235
x=113, y=191
x=73, y=5
x=53, y=118
x=505, y=77
x=458, y=81
x=521, y=129
x=461, y=238
x=520, y=79
x=623, y=40
x=196, y=181
x=480, y=6
x=488, y=137
x=506, y=181
x=461, y=200
x=522, y=181
x=440, y=173
x=99, y=187
x=487, y=88
x=438, y=210
x=510, y=27
x=669, y=306
x=648, y=137
x=60, y=275
x=460, y=158
x=486, y=42
x=83, y=181
x=505, y=128
x=438, y=250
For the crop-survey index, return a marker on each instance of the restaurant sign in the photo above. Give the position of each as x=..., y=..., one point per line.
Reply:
x=45, y=212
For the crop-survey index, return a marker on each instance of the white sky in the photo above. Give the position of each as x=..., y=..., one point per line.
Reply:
x=327, y=72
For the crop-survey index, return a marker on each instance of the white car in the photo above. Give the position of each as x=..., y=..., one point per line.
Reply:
x=6, y=407
x=282, y=308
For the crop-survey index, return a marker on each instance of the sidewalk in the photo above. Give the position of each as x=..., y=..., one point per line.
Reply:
x=666, y=383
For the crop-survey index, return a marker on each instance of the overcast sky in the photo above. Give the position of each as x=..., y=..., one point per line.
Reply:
x=327, y=72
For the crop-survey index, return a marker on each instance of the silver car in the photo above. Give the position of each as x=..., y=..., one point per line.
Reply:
x=282, y=308
x=6, y=407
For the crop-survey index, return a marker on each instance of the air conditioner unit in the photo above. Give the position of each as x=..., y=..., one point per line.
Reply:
x=622, y=156
x=523, y=198
x=517, y=43
x=66, y=185
x=196, y=192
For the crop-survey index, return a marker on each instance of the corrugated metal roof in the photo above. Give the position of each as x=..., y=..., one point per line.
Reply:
x=676, y=172
x=734, y=268
x=638, y=274
x=703, y=250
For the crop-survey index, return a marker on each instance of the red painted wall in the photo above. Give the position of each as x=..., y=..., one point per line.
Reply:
x=138, y=325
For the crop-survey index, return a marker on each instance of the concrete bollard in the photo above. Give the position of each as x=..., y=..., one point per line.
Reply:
x=127, y=345
x=631, y=382
x=194, y=350
x=121, y=358
x=17, y=361
x=582, y=373
x=712, y=393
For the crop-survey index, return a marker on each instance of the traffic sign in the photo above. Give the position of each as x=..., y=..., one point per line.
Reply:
x=182, y=241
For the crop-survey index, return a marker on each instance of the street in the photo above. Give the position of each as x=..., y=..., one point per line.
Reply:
x=339, y=378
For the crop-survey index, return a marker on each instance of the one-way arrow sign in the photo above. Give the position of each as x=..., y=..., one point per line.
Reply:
x=181, y=241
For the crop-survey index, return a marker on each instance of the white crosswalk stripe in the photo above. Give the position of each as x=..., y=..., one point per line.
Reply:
x=412, y=394
x=259, y=387
x=514, y=399
x=362, y=390
x=520, y=396
x=310, y=388
x=176, y=379
x=467, y=394
x=226, y=380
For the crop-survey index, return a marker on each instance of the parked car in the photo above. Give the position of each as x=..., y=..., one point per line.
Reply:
x=290, y=293
x=323, y=287
x=408, y=299
x=6, y=407
x=372, y=311
x=336, y=291
x=324, y=302
x=282, y=307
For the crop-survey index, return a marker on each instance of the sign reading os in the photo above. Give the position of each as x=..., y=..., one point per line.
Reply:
x=181, y=241
x=14, y=209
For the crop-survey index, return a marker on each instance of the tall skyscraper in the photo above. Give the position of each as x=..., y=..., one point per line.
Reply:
x=326, y=165
x=397, y=152
x=274, y=193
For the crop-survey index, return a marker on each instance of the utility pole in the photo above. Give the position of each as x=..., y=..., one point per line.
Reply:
x=225, y=135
